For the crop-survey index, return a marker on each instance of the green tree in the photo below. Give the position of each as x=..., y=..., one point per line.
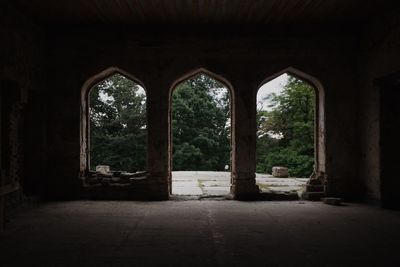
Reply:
x=286, y=132
x=118, y=133
x=201, y=125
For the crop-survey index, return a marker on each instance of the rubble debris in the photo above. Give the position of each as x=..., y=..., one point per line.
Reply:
x=103, y=169
x=280, y=172
x=104, y=177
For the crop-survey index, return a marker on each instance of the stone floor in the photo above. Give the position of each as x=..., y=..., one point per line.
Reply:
x=201, y=233
x=218, y=183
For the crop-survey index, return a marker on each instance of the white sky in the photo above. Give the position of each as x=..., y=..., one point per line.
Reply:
x=274, y=86
x=104, y=96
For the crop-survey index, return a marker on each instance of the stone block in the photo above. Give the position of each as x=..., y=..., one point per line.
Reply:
x=103, y=169
x=92, y=180
x=280, y=172
x=115, y=180
x=314, y=181
x=315, y=188
x=105, y=181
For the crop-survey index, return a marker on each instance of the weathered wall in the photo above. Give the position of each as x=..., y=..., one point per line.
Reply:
x=379, y=57
x=21, y=82
x=158, y=59
x=51, y=69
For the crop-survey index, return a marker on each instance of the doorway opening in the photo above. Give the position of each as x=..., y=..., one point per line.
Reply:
x=286, y=127
x=200, y=122
x=389, y=91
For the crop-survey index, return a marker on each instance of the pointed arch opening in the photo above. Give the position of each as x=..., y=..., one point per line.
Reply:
x=200, y=141
x=290, y=132
x=113, y=129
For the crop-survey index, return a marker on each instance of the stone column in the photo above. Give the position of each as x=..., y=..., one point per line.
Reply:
x=157, y=146
x=244, y=142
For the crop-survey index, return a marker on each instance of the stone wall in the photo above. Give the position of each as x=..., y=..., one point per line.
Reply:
x=379, y=57
x=158, y=59
x=50, y=68
x=21, y=75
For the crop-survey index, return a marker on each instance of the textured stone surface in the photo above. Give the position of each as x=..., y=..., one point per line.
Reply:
x=205, y=184
x=332, y=200
x=380, y=58
x=103, y=169
x=315, y=196
x=201, y=233
x=280, y=172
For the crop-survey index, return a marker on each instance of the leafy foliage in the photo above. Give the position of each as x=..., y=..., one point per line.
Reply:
x=285, y=134
x=201, y=125
x=118, y=132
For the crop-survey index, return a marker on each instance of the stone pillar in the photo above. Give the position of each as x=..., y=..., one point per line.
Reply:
x=244, y=143
x=158, y=133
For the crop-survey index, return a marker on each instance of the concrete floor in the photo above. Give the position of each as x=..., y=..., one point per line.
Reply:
x=201, y=233
x=204, y=183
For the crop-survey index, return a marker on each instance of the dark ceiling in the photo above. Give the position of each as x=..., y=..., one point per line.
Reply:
x=292, y=13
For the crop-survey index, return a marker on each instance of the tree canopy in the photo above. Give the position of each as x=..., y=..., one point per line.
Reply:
x=285, y=134
x=201, y=125
x=118, y=134
x=201, y=129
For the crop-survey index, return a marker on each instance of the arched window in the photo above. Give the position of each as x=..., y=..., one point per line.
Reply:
x=118, y=130
x=114, y=126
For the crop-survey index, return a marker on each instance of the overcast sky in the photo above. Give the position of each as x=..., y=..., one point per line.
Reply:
x=104, y=96
x=273, y=86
